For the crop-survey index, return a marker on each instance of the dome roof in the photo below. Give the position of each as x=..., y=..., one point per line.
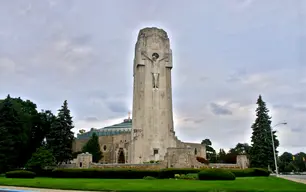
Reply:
x=124, y=127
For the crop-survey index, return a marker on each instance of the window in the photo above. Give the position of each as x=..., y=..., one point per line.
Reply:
x=155, y=151
x=195, y=151
x=104, y=147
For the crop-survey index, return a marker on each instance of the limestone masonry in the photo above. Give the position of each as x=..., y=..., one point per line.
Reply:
x=152, y=128
x=149, y=136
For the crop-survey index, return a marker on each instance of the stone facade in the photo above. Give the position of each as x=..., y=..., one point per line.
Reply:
x=113, y=147
x=243, y=161
x=152, y=128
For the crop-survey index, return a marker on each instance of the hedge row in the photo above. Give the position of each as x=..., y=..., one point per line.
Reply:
x=139, y=174
x=20, y=174
x=251, y=172
x=104, y=173
x=129, y=173
x=216, y=174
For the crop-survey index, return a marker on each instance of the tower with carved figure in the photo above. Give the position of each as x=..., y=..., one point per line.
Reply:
x=152, y=127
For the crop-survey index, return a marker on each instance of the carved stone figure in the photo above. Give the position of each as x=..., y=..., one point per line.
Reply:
x=155, y=67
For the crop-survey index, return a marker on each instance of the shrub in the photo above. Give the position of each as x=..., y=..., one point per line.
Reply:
x=104, y=173
x=149, y=178
x=41, y=159
x=216, y=174
x=20, y=174
x=202, y=160
x=189, y=176
x=261, y=172
x=251, y=172
x=170, y=173
x=42, y=172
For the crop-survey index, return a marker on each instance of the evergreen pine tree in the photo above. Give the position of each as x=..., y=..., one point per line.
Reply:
x=261, y=152
x=93, y=147
x=60, y=137
x=11, y=136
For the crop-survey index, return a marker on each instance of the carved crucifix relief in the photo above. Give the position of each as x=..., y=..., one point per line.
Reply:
x=155, y=67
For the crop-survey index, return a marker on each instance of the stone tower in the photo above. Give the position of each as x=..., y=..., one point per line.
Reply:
x=152, y=128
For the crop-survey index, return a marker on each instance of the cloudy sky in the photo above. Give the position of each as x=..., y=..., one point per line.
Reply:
x=225, y=54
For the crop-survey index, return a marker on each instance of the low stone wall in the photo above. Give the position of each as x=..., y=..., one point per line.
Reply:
x=152, y=166
x=224, y=165
x=68, y=166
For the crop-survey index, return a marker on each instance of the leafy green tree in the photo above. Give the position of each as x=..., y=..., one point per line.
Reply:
x=12, y=136
x=283, y=161
x=299, y=162
x=290, y=167
x=210, y=151
x=261, y=152
x=41, y=159
x=242, y=149
x=34, y=125
x=60, y=137
x=221, y=156
x=93, y=147
x=46, y=118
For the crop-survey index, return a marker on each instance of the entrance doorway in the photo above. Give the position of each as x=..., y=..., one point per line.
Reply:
x=121, y=157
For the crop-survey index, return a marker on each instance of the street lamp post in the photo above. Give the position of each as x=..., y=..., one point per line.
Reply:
x=274, y=153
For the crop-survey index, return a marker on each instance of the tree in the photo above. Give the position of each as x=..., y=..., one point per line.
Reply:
x=93, y=147
x=283, y=162
x=261, y=152
x=41, y=159
x=299, y=162
x=242, y=149
x=12, y=136
x=82, y=131
x=290, y=168
x=60, y=137
x=46, y=118
x=221, y=156
x=210, y=152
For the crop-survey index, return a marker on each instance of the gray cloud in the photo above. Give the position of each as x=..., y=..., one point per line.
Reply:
x=91, y=119
x=290, y=107
x=219, y=110
x=117, y=107
x=223, y=59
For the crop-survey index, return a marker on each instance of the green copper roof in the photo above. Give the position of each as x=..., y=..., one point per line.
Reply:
x=124, y=127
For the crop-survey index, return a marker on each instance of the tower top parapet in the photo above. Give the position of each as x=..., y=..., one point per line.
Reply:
x=148, y=31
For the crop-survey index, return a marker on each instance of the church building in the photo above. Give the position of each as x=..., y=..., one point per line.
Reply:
x=149, y=136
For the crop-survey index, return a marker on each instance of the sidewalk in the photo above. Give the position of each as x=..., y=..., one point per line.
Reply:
x=293, y=179
x=37, y=189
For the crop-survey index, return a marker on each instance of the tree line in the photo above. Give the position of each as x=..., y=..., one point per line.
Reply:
x=27, y=135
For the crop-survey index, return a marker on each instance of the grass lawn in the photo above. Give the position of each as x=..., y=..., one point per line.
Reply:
x=251, y=184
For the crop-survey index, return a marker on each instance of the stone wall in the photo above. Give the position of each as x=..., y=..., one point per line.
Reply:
x=155, y=166
x=110, y=146
x=182, y=158
x=243, y=161
x=83, y=160
x=175, y=158
x=224, y=165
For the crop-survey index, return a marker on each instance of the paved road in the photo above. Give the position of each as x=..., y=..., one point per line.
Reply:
x=296, y=178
